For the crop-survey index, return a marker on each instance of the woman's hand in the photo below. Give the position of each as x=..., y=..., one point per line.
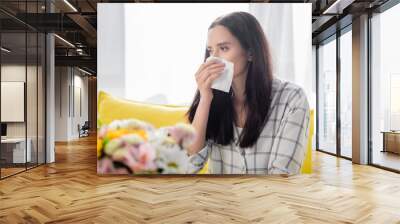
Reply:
x=206, y=74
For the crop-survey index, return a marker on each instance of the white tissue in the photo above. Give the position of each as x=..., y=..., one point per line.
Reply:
x=224, y=81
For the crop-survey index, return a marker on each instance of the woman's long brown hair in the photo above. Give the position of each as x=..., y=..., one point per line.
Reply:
x=222, y=116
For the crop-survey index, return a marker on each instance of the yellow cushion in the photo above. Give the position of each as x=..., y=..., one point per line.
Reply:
x=204, y=170
x=306, y=167
x=113, y=108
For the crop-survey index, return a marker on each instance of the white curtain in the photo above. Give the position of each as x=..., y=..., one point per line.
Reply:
x=288, y=30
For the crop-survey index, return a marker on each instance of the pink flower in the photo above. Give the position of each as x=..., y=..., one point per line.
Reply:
x=120, y=171
x=139, y=158
x=145, y=158
x=102, y=132
x=182, y=134
x=106, y=166
x=146, y=155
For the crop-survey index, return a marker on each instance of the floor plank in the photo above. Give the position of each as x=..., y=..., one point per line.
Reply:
x=69, y=191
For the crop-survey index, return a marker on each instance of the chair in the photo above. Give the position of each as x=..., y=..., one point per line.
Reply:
x=84, y=130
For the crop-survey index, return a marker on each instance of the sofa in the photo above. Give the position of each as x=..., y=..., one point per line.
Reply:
x=112, y=108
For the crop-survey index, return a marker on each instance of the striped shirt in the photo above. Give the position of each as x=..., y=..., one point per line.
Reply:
x=280, y=148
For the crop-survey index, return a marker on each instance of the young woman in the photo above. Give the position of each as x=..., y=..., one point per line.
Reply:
x=261, y=125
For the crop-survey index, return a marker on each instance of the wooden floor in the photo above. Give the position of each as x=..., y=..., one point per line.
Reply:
x=5, y=172
x=387, y=159
x=10, y=171
x=70, y=191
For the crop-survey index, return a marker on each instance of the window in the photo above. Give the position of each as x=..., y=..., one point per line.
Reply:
x=394, y=102
x=346, y=94
x=327, y=96
x=22, y=65
x=385, y=88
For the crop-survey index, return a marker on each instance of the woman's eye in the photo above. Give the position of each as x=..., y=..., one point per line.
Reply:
x=222, y=48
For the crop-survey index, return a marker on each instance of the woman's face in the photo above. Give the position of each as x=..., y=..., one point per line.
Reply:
x=221, y=43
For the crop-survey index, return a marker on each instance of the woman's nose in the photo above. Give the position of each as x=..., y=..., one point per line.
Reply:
x=215, y=53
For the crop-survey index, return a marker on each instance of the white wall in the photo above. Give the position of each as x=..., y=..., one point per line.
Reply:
x=67, y=103
x=61, y=104
x=80, y=83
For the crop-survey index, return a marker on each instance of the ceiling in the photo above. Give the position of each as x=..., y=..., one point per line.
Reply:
x=76, y=22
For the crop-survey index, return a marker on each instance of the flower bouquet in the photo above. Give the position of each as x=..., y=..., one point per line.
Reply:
x=136, y=147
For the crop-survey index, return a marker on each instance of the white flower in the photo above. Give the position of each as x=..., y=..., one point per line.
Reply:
x=172, y=160
x=112, y=146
